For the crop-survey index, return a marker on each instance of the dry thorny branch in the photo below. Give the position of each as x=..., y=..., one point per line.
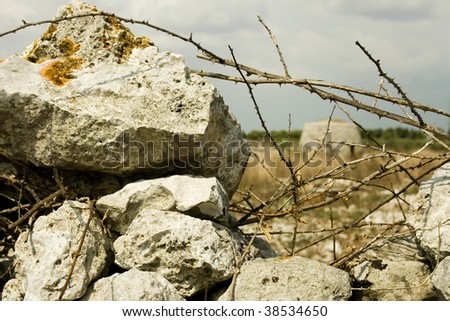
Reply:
x=298, y=192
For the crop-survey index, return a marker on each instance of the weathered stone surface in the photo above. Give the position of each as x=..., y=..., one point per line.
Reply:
x=191, y=253
x=429, y=214
x=90, y=96
x=441, y=279
x=391, y=271
x=13, y=291
x=44, y=256
x=197, y=196
x=290, y=279
x=133, y=285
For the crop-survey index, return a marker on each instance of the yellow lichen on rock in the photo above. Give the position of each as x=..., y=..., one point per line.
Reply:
x=124, y=41
x=68, y=47
x=48, y=35
x=36, y=54
x=59, y=72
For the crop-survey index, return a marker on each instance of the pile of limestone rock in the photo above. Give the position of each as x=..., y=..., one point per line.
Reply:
x=159, y=149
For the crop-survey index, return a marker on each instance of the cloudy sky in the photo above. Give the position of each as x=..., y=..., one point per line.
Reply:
x=410, y=37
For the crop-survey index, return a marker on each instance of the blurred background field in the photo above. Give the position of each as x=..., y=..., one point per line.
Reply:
x=332, y=231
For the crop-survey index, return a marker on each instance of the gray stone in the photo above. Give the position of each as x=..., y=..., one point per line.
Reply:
x=289, y=279
x=197, y=196
x=90, y=96
x=191, y=253
x=44, y=256
x=133, y=285
x=391, y=271
x=441, y=279
x=430, y=217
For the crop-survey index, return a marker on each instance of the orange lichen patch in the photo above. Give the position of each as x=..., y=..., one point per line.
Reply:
x=73, y=100
x=38, y=54
x=41, y=60
x=115, y=23
x=68, y=47
x=48, y=35
x=1, y=60
x=59, y=72
x=142, y=42
x=124, y=40
x=31, y=56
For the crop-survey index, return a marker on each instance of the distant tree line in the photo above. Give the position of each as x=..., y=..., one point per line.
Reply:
x=406, y=138
x=387, y=134
x=280, y=136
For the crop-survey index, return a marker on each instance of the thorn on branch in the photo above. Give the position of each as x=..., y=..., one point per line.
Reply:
x=393, y=83
x=277, y=47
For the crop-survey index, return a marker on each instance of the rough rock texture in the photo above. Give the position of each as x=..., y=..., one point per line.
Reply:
x=338, y=131
x=13, y=291
x=441, y=279
x=429, y=214
x=133, y=285
x=44, y=256
x=196, y=196
x=90, y=96
x=191, y=253
x=290, y=279
x=391, y=271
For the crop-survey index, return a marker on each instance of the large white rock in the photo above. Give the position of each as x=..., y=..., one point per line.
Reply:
x=429, y=214
x=13, y=291
x=197, y=196
x=45, y=255
x=191, y=253
x=133, y=285
x=89, y=95
x=289, y=279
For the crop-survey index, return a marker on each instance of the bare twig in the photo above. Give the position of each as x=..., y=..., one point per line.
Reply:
x=77, y=253
x=38, y=206
x=392, y=82
x=275, y=42
x=263, y=124
x=240, y=261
